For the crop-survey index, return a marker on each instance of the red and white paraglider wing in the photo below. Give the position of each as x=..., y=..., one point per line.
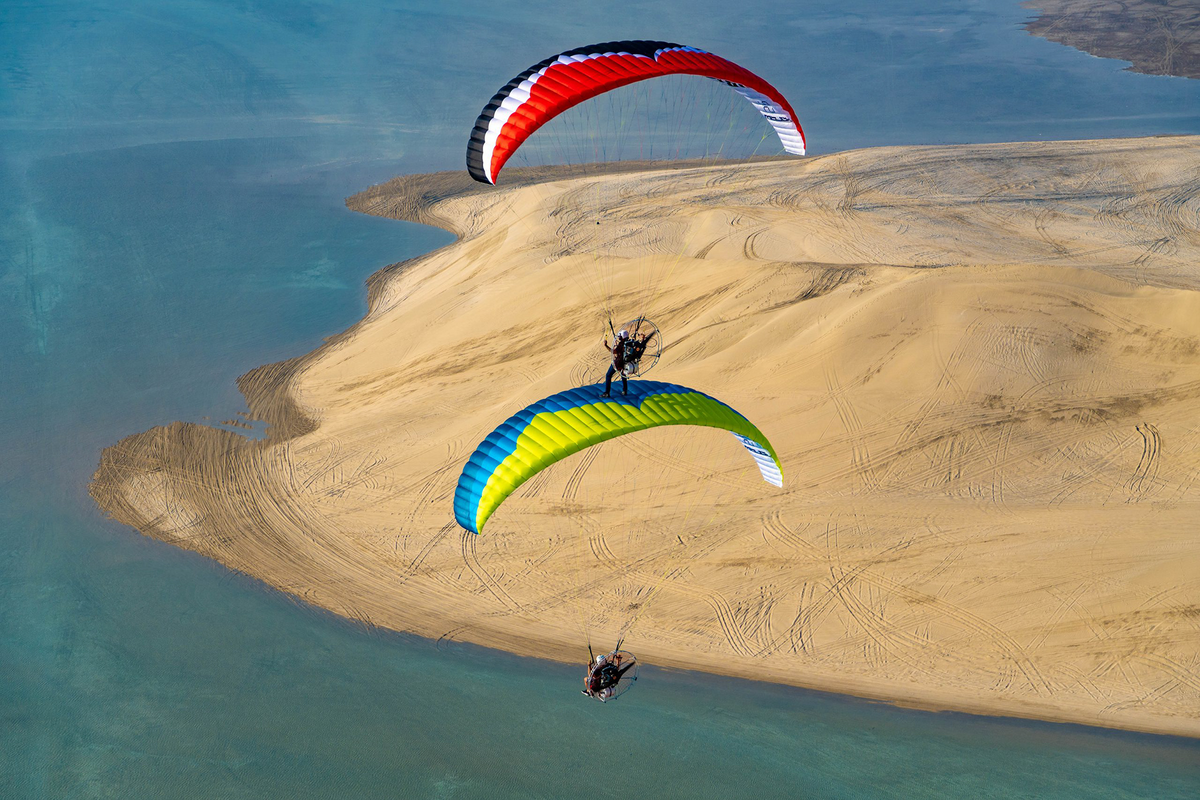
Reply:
x=550, y=87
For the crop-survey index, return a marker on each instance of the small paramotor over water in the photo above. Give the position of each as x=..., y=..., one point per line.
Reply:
x=610, y=675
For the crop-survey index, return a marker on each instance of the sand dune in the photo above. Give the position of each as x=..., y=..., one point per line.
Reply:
x=980, y=366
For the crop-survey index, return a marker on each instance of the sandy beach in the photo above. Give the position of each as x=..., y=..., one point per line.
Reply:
x=980, y=366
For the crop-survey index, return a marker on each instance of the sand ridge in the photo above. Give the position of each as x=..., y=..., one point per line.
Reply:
x=980, y=366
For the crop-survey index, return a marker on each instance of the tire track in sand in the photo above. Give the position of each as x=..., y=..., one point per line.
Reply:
x=860, y=455
x=1142, y=481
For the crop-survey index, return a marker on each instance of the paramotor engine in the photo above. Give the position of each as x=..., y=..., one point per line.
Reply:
x=643, y=346
x=611, y=675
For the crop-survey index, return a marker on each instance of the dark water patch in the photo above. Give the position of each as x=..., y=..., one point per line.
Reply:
x=1156, y=37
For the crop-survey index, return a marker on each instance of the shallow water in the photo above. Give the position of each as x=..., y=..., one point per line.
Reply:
x=172, y=216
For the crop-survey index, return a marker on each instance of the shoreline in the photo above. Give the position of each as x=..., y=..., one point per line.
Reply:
x=190, y=485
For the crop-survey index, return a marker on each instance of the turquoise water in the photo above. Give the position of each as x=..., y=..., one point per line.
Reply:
x=172, y=216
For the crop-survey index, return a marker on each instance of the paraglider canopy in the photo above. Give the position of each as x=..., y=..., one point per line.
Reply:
x=550, y=87
x=565, y=423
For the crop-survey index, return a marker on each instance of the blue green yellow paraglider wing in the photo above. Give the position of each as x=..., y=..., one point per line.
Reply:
x=565, y=423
